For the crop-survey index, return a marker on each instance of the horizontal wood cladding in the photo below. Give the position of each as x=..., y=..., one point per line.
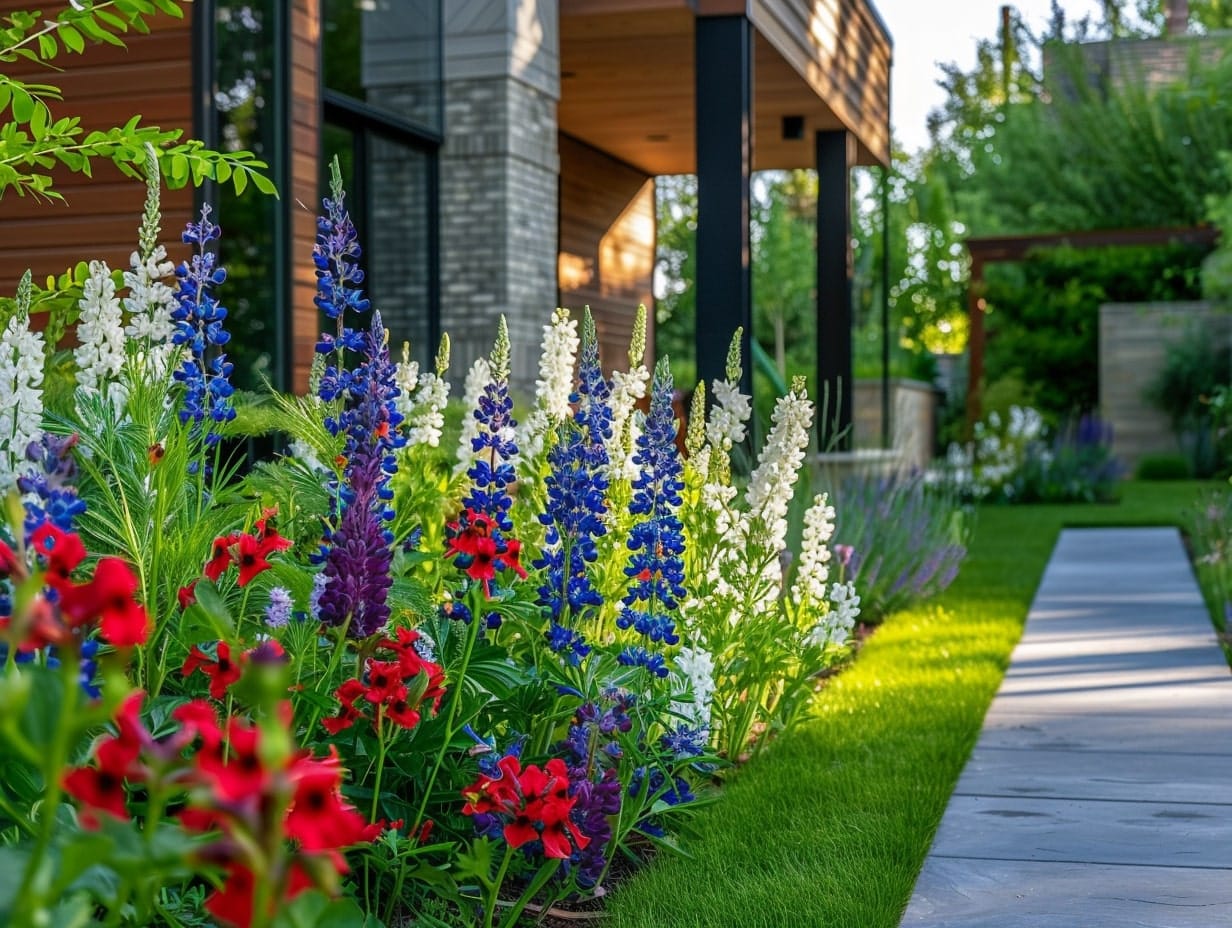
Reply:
x=105, y=86
x=305, y=172
x=607, y=243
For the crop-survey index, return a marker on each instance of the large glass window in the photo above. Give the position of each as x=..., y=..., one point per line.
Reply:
x=381, y=62
x=243, y=116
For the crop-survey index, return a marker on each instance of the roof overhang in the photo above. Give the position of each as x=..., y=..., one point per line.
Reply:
x=628, y=85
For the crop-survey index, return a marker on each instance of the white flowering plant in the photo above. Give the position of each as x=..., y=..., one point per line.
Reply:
x=769, y=629
x=1020, y=459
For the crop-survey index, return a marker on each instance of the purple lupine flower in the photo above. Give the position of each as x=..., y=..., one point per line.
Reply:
x=576, y=505
x=359, y=552
x=198, y=316
x=51, y=495
x=656, y=543
x=596, y=802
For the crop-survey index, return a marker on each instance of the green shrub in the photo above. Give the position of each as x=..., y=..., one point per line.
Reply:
x=1162, y=467
x=1195, y=367
x=1044, y=315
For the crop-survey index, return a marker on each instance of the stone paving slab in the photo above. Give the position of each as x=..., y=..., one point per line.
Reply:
x=1044, y=894
x=1102, y=775
x=1100, y=792
x=991, y=827
x=1160, y=731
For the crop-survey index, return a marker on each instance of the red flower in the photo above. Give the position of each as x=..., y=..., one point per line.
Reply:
x=267, y=534
x=232, y=903
x=236, y=771
x=346, y=695
x=110, y=597
x=220, y=556
x=9, y=563
x=384, y=682
x=512, y=557
x=222, y=670
x=250, y=556
x=535, y=804
x=101, y=788
x=197, y=719
x=63, y=551
x=187, y=595
x=400, y=687
x=319, y=819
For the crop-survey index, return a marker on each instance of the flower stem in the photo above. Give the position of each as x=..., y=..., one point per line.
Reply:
x=489, y=911
x=53, y=768
x=454, y=703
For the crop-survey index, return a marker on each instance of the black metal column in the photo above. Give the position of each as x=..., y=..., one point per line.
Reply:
x=724, y=161
x=835, y=155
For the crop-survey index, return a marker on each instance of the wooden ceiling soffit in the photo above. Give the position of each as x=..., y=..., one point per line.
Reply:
x=844, y=53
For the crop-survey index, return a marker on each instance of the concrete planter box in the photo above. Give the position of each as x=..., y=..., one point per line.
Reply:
x=913, y=419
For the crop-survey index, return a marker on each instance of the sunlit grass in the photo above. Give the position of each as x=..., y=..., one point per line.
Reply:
x=831, y=826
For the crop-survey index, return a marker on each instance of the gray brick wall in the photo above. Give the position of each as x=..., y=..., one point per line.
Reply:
x=499, y=168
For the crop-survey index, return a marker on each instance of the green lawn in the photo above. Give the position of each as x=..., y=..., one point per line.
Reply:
x=830, y=827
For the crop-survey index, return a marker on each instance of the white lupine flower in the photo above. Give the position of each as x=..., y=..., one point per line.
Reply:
x=22, y=356
x=725, y=427
x=478, y=377
x=694, y=688
x=557, y=358
x=770, y=488
x=149, y=304
x=812, y=572
x=100, y=354
x=836, y=625
x=427, y=416
x=406, y=379
x=628, y=387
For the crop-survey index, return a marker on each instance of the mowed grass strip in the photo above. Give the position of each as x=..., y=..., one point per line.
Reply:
x=831, y=825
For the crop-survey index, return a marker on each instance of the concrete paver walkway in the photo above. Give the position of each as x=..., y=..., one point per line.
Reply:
x=1100, y=792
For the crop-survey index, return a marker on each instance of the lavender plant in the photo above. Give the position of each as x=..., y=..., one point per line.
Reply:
x=903, y=539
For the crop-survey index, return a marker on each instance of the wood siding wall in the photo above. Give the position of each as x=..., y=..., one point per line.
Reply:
x=105, y=86
x=304, y=184
x=607, y=244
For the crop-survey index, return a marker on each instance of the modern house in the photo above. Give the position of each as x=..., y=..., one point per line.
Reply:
x=500, y=156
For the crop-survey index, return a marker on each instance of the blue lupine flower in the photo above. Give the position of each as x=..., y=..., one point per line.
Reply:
x=199, y=318
x=685, y=741
x=88, y=668
x=57, y=500
x=576, y=506
x=636, y=656
x=479, y=539
x=568, y=643
x=672, y=792
x=656, y=543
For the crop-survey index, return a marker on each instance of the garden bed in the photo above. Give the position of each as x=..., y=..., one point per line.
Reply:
x=844, y=808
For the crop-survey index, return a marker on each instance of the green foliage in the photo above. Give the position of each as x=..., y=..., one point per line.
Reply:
x=1196, y=368
x=1043, y=321
x=33, y=140
x=1162, y=467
